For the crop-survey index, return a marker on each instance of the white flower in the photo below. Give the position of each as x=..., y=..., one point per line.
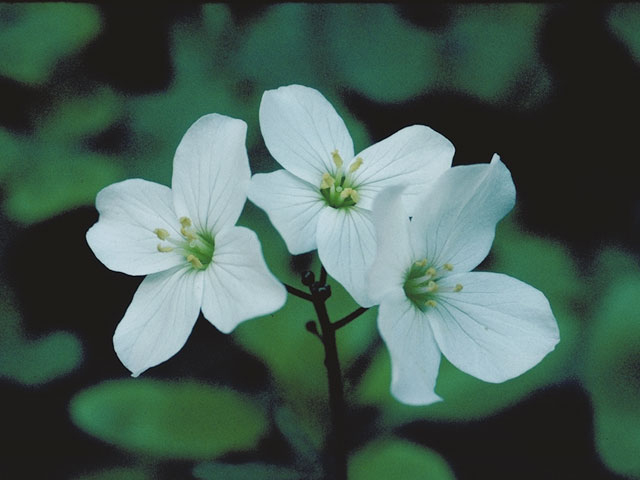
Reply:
x=323, y=197
x=185, y=240
x=489, y=325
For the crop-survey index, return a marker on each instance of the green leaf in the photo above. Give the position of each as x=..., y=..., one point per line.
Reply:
x=374, y=51
x=612, y=374
x=493, y=50
x=177, y=420
x=36, y=36
x=72, y=118
x=279, y=49
x=394, y=458
x=33, y=362
x=244, y=471
x=624, y=21
x=53, y=178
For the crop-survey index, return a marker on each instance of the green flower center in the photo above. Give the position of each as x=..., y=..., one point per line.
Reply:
x=421, y=283
x=196, y=247
x=338, y=189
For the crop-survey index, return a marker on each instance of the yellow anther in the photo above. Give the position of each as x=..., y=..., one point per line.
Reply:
x=355, y=165
x=346, y=193
x=161, y=233
x=432, y=272
x=193, y=260
x=354, y=196
x=337, y=159
x=430, y=303
x=164, y=249
x=448, y=267
x=327, y=181
x=432, y=286
x=188, y=234
x=185, y=222
x=458, y=287
x=421, y=263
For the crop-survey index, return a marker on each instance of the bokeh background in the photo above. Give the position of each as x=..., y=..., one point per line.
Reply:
x=94, y=94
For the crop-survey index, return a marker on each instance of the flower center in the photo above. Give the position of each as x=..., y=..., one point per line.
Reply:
x=338, y=189
x=196, y=247
x=421, y=283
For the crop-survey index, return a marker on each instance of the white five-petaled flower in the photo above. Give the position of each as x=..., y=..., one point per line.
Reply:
x=323, y=197
x=489, y=325
x=185, y=240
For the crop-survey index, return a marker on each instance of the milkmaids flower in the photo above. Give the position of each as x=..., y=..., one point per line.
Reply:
x=322, y=199
x=489, y=325
x=185, y=240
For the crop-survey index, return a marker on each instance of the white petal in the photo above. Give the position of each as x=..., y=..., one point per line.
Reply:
x=413, y=157
x=394, y=255
x=211, y=172
x=159, y=320
x=293, y=207
x=301, y=129
x=238, y=285
x=457, y=219
x=496, y=328
x=415, y=357
x=123, y=238
x=347, y=248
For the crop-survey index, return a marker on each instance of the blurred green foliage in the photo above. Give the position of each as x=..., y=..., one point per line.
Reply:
x=33, y=362
x=172, y=419
x=222, y=62
x=393, y=458
x=36, y=37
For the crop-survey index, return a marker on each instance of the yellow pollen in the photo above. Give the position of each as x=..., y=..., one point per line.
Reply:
x=346, y=193
x=337, y=159
x=189, y=235
x=185, y=222
x=430, y=303
x=327, y=181
x=432, y=272
x=355, y=165
x=432, y=286
x=164, y=249
x=421, y=263
x=161, y=233
x=448, y=267
x=193, y=260
x=354, y=196
x=458, y=287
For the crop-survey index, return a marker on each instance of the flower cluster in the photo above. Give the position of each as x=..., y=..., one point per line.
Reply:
x=395, y=224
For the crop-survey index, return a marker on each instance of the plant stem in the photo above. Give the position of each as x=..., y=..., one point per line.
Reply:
x=298, y=293
x=337, y=469
x=349, y=318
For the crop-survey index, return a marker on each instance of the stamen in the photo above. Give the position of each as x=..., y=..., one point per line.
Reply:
x=161, y=233
x=448, y=267
x=432, y=286
x=421, y=263
x=193, y=260
x=354, y=196
x=346, y=193
x=188, y=234
x=337, y=159
x=164, y=249
x=327, y=181
x=430, y=303
x=185, y=222
x=355, y=165
x=431, y=272
x=457, y=288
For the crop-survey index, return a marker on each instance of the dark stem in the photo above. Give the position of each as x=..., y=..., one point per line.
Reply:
x=336, y=441
x=323, y=276
x=349, y=318
x=298, y=293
